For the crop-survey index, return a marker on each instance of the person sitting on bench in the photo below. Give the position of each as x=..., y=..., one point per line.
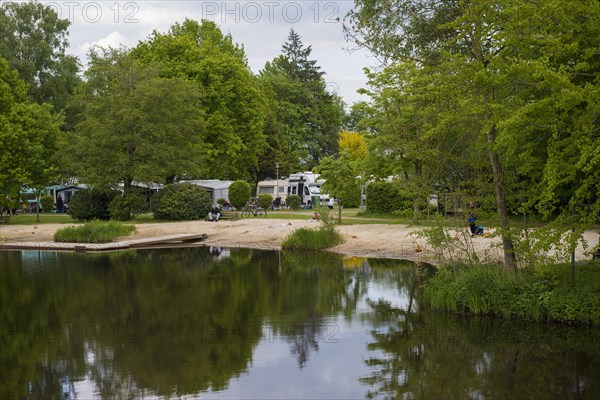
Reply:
x=214, y=213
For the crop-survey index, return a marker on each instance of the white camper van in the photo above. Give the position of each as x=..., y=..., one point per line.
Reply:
x=307, y=185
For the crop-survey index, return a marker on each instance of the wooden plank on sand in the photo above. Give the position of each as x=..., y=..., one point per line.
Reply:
x=164, y=241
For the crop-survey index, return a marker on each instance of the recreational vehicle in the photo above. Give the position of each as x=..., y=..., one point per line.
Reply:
x=307, y=185
x=304, y=184
x=274, y=187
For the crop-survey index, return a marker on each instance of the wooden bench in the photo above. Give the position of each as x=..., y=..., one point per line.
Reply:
x=4, y=219
x=230, y=215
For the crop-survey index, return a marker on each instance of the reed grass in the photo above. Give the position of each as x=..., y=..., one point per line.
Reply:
x=538, y=294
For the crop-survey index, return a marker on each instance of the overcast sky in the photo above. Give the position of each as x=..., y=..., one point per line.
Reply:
x=260, y=26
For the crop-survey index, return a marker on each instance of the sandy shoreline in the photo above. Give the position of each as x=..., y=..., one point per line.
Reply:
x=365, y=240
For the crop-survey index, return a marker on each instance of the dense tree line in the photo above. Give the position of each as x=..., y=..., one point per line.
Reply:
x=180, y=104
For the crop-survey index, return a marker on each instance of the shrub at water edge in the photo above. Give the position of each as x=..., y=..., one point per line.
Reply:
x=540, y=294
x=93, y=232
x=312, y=239
x=239, y=193
x=177, y=202
x=87, y=205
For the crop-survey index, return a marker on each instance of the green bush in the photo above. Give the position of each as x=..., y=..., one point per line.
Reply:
x=177, y=202
x=352, y=197
x=93, y=232
x=47, y=203
x=327, y=218
x=293, y=201
x=239, y=193
x=312, y=239
x=265, y=200
x=383, y=198
x=87, y=205
x=127, y=207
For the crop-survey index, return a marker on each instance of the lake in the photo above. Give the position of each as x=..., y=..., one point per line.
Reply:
x=239, y=323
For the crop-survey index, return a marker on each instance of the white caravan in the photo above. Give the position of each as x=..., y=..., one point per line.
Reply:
x=273, y=187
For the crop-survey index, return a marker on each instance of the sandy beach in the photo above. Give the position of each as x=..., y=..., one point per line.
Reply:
x=365, y=240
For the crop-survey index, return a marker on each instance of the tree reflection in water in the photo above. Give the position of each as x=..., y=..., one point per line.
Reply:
x=425, y=355
x=163, y=322
x=183, y=322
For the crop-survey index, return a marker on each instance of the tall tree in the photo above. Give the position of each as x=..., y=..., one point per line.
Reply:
x=414, y=139
x=309, y=114
x=28, y=137
x=342, y=172
x=33, y=39
x=295, y=61
x=499, y=61
x=462, y=42
x=231, y=100
x=277, y=152
x=558, y=145
x=134, y=124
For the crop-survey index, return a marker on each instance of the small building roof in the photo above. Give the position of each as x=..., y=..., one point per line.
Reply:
x=78, y=187
x=214, y=184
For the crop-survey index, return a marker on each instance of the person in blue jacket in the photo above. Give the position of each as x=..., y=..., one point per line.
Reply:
x=475, y=229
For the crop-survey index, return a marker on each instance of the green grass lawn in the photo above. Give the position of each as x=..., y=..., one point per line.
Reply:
x=290, y=214
x=350, y=216
x=45, y=218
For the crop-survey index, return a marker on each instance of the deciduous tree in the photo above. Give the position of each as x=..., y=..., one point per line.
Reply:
x=134, y=124
x=33, y=39
x=28, y=136
x=495, y=63
x=342, y=172
x=231, y=101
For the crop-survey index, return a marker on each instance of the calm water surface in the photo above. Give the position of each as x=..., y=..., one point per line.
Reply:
x=219, y=323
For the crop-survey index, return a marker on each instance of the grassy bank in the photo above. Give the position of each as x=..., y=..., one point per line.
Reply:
x=45, y=218
x=540, y=294
x=93, y=232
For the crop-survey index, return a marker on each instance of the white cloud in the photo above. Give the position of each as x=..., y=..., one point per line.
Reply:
x=114, y=39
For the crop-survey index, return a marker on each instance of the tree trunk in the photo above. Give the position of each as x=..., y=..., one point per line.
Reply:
x=415, y=216
x=37, y=208
x=510, y=261
x=127, y=185
x=417, y=190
